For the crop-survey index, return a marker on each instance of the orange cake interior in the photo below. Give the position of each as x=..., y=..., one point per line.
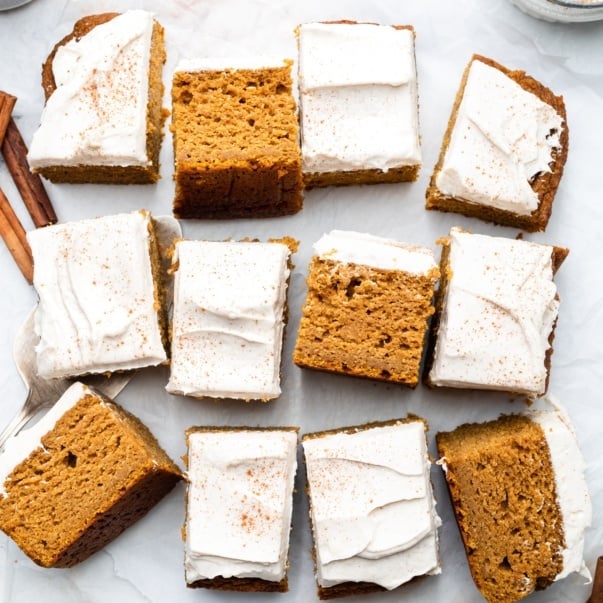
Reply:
x=236, y=148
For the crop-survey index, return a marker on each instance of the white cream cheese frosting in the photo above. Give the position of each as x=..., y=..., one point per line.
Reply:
x=192, y=65
x=359, y=248
x=358, y=97
x=498, y=312
x=98, y=113
x=570, y=484
x=502, y=138
x=239, y=503
x=20, y=446
x=372, y=507
x=97, y=309
x=228, y=319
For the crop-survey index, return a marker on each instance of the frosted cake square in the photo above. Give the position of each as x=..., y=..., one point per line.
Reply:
x=520, y=499
x=496, y=314
x=371, y=507
x=239, y=505
x=229, y=319
x=101, y=295
x=103, y=117
x=504, y=151
x=367, y=307
x=358, y=103
x=79, y=477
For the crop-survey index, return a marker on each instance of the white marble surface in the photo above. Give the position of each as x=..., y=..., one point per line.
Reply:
x=145, y=563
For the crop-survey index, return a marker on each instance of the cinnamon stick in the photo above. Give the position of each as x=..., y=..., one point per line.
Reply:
x=597, y=594
x=11, y=229
x=30, y=185
x=7, y=103
x=13, y=233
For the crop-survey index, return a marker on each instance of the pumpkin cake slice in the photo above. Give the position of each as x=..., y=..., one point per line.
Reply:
x=74, y=481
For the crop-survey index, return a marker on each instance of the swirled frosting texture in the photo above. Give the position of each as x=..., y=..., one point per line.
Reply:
x=227, y=332
x=98, y=113
x=497, y=315
x=97, y=310
x=239, y=503
x=358, y=95
x=372, y=508
x=502, y=138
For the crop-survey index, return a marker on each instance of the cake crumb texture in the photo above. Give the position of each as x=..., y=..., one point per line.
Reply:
x=364, y=321
x=97, y=472
x=501, y=482
x=236, y=148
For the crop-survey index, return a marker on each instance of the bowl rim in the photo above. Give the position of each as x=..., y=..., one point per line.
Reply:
x=577, y=4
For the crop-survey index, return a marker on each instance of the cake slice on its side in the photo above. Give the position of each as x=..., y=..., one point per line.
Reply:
x=236, y=147
x=504, y=151
x=230, y=301
x=102, y=295
x=103, y=118
x=79, y=477
x=496, y=313
x=371, y=507
x=520, y=500
x=367, y=307
x=358, y=103
x=239, y=505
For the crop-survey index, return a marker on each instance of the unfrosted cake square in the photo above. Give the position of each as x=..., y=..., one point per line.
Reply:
x=504, y=151
x=103, y=117
x=79, y=477
x=496, y=314
x=367, y=307
x=235, y=131
x=358, y=103
x=239, y=506
x=101, y=295
x=371, y=507
x=520, y=499
x=229, y=319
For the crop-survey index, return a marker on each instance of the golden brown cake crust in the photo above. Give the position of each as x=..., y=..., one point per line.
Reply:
x=236, y=147
x=255, y=585
x=97, y=472
x=115, y=174
x=364, y=321
x=410, y=418
x=544, y=185
x=502, y=486
x=405, y=173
